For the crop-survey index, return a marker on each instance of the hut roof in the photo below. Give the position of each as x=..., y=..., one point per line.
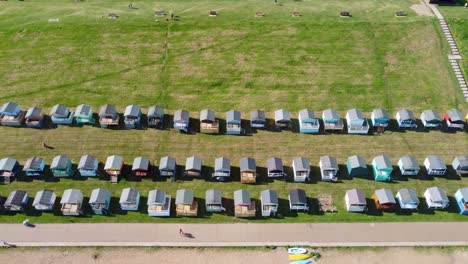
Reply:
x=297, y=196
x=59, y=162
x=257, y=115
x=357, y=162
x=33, y=163
x=460, y=162
x=207, y=115
x=233, y=115
x=455, y=115
x=382, y=162
x=71, y=196
x=184, y=196
x=7, y=164
x=128, y=195
x=156, y=196
x=269, y=197
x=33, y=113
x=83, y=110
x=356, y=196
x=16, y=197
x=435, y=161
x=301, y=163
x=274, y=163
x=87, y=162
x=132, y=111
x=241, y=197
x=156, y=111
x=167, y=163
x=430, y=115
x=354, y=114
x=408, y=162
x=213, y=196
x=464, y=193
x=140, y=163
x=99, y=196
x=329, y=162
x=380, y=113
x=408, y=195
x=306, y=114
x=330, y=114
x=44, y=197
x=193, y=163
x=385, y=196
x=107, y=110
x=406, y=114
x=437, y=194
x=59, y=109
x=181, y=115
x=9, y=108
x=222, y=163
x=248, y=164
x=113, y=162
x=282, y=115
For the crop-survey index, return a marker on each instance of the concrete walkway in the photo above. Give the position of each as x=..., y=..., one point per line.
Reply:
x=328, y=234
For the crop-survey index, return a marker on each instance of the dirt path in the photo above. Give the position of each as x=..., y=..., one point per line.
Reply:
x=422, y=10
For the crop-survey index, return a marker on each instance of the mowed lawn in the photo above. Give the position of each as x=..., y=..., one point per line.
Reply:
x=236, y=61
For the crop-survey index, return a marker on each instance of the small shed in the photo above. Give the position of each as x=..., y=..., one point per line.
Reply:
x=357, y=167
x=167, y=166
x=181, y=120
x=233, y=122
x=159, y=203
x=129, y=199
x=380, y=118
x=214, y=201
x=460, y=165
x=108, y=116
x=382, y=168
x=156, y=116
x=61, y=166
x=8, y=168
x=141, y=167
x=34, y=117
x=11, y=115
x=436, y=198
x=100, y=201
x=275, y=167
x=407, y=199
x=328, y=168
x=222, y=169
x=435, y=165
x=257, y=119
x=431, y=119
x=16, y=202
x=248, y=170
x=331, y=120
x=244, y=207
x=88, y=166
x=356, y=122
x=113, y=167
x=355, y=201
x=301, y=169
x=454, y=119
x=132, y=117
x=34, y=167
x=298, y=200
x=72, y=201
x=10, y=109
x=406, y=119
x=308, y=123
x=461, y=198
x=84, y=115
x=186, y=204
x=44, y=200
x=408, y=165
x=193, y=166
x=208, y=122
x=383, y=199
x=269, y=202
x=283, y=119
x=61, y=115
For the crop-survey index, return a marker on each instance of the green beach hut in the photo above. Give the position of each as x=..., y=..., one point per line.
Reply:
x=382, y=168
x=84, y=115
x=61, y=166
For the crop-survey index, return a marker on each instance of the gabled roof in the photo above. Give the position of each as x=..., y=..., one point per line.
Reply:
x=385, y=196
x=9, y=108
x=356, y=196
x=306, y=114
x=33, y=113
x=248, y=164
x=59, y=162
x=430, y=115
x=113, y=162
x=44, y=197
x=382, y=162
x=107, y=110
x=328, y=162
x=16, y=197
x=72, y=196
x=156, y=196
x=207, y=115
x=257, y=115
x=83, y=110
x=132, y=111
x=380, y=113
x=7, y=164
x=406, y=114
x=99, y=196
x=33, y=163
x=241, y=197
x=282, y=115
x=128, y=195
x=184, y=196
x=330, y=114
x=435, y=162
x=437, y=194
x=455, y=115
x=301, y=163
x=408, y=196
x=181, y=115
x=59, y=109
x=464, y=193
x=233, y=115
x=87, y=162
x=213, y=196
x=193, y=163
x=409, y=162
x=222, y=163
x=297, y=196
x=140, y=163
x=274, y=164
x=460, y=162
x=354, y=114
x=156, y=111
x=167, y=163
x=357, y=162
x=269, y=197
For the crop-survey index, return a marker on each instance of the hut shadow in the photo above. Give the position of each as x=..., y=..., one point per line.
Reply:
x=206, y=173
x=451, y=173
x=314, y=206
x=47, y=123
x=143, y=122
x=114, y=207
x=423, y=176
x=245, y=127
x=49, y=176
x=142, y=206
x=228, y=203
x=194, y=126
x=453, y=206
x=76, y=174
x=29, y=210
x=372, y=209
x=294, y=125
x=403, y=212
x=283, y=209
x=343, y=173
x=168, y=122
x=235, y=174
x=397, y=176
x=422, y=207
x=315, y=174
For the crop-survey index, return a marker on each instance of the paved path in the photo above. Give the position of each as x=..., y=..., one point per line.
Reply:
x=328, y=234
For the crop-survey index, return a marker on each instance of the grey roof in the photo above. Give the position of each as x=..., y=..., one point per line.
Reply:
x=128, y=195
x=59, y=109
x=193, y=163
x=156, y=196
x=248, y=164
x=99, y=196
x=44, y=197
x=107, y=110
x=306, y=114
x=257, y=115
x=436, y=162
x=356, y=196
x=167, y=163
x=385, y=196
x=222, y=163
x=274, y=164
x=213, y=196
x=113, y=162
x=455, y=115
x=59, y=162
x=430, y=114
x=464, y=192
x=233, y=115
x=409, y=162
x=357, y=162
x=382, y=162
x=460, y=162
x=132, y=111
x=7, y=164
x=156, y=111
x=140, y=163
x=33, y=163
x=207, y=115
x=297, y=196
x=406, y=114
x=181, y=115
x=83, y=110
x=8, y=107
x=241, y=197
x=87, y=162
x=330, y=114
x=437, y=194
x=33, y=113
x=269, y=197
x=329, y=162
x=380, y=113
x=355, y=114
x=408, y=196
x=301, y=163
x=184, y=196
x=282, y=115
x=16, y=197
x=72, y=196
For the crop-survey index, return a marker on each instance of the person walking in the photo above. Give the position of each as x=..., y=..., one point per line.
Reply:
x=181, y=232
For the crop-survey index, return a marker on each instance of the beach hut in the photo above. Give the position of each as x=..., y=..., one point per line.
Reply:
x=8, y=168
x=257, y=119
x=61, y=166
x=72, y=201
x=113, y=167
x=461, y=197
x=460, y=165
x=44, y=200
x=331, y=120
x=355, y=201
x=454, y=119
x=356, y=122
x=132, y=116
x=141, y=167
x=282, y=119
x=129, y=199
x=301, y=169
x=193, y=166
x=269, y=202
x=159, y=203
x=167, y=167
x=380, y=118
x=431, y=119
x=435, y=165
x=408, y=165
x=384, y=200
x=108, y=116
x=382, y=168
x=248, y=170
x=186, y=204
x=84, y=115
x=436, y=198
x=100, y=201
x=222, y=169
x=181, y=120
x=328, y=168
x=11, y=115
x=406, y=119
x=244, y=207
x=34, y=118
x=357, y=167
x=308, y=123
x=88, y=166
x=208, y=122
x=61, y=115
x=214, y=201
x=275, y=167
x=407, y=199
x=156, y=116
x=233, y=122
x=34, y=167
x=16, y=201
x=298, y=200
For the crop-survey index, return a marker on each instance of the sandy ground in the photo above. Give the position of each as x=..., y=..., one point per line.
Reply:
x=228, y=256
x=422, y=10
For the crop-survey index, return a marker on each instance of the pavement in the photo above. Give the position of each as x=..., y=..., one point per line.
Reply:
x=251, y=234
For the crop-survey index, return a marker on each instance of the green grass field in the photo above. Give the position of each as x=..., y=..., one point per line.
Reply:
x=230, y=61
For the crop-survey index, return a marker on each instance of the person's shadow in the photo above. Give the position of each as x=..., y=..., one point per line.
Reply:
x=188, y=235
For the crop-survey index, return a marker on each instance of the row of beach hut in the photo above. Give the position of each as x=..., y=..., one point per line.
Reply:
x=309, y=123
x=356, y=166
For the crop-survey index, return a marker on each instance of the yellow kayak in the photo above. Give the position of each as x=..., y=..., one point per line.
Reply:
x=298, y=256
